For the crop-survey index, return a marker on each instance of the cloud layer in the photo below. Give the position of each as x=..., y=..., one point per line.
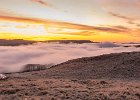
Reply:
x=129, y=20
x=12, y=59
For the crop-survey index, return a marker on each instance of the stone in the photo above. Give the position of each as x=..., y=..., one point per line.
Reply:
x=3, y=77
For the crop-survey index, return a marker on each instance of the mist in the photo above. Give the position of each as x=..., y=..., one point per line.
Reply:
x=14, y=58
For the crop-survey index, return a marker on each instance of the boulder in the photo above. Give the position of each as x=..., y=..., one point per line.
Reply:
x=3, y=77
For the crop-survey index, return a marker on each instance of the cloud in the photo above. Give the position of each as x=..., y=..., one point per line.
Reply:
x=121, y=16
x=116, y=29
x=85, y=29
x=57, y=27
x=129, y=20
x=111, y=29
x=108, y=45
x=13, y=59
x=20, y=19
x=41, y=2
x=121, y=27
x=4, y=13
x=81, y=33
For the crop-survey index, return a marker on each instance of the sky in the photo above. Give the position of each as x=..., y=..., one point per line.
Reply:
x=96, y=20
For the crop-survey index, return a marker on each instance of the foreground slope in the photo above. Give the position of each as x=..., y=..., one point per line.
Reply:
x=106, y=77
x=121, y=65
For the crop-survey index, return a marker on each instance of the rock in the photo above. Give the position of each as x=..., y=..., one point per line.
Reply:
x=3, y=77
x=36, y=67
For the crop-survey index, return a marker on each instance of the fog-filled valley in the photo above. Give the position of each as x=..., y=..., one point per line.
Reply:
x=14, y=58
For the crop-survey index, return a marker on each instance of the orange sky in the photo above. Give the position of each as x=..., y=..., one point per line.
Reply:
x=97, y=20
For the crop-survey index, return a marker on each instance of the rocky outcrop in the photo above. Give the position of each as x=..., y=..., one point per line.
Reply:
x=3, y=77
x=35, y=67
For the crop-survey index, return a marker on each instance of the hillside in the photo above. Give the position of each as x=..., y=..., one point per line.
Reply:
x=110, y=66
x=121, y=65
x=106, y=77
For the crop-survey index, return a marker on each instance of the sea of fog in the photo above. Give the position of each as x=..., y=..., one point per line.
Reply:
x=13, y=58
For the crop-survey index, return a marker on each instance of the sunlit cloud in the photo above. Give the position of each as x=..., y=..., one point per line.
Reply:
x=41, y=2
x=20, y=19
x=121, y=16
x=129, y=20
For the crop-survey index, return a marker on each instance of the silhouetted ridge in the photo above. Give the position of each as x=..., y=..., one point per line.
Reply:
x=15, y=42
x=70, y=41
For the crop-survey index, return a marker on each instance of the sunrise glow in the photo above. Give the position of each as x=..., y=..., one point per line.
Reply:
x=96, y=20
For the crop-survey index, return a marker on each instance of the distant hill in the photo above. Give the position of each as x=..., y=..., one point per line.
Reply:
x=15, y=42
x=70, y=41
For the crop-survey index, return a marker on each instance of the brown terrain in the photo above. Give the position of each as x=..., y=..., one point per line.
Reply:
x=18, y=42
x=15, y=42
x=71, y=41
x=105, y=77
